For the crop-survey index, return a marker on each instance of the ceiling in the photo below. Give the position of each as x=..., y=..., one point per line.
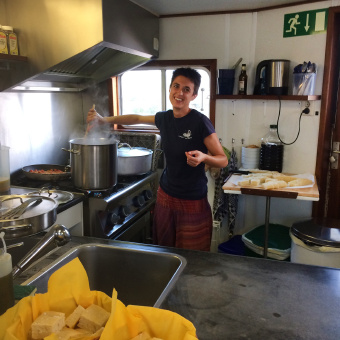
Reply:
x=168, y=7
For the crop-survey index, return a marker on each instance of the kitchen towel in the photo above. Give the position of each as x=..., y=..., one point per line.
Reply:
x=220, y=204
x=232, y=199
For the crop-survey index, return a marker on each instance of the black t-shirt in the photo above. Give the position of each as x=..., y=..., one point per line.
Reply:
x=179, y=135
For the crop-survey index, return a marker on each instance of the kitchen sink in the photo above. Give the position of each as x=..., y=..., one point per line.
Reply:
x=141, y=277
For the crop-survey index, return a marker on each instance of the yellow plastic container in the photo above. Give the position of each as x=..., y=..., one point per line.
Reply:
x=12, y=40
x=3, y=41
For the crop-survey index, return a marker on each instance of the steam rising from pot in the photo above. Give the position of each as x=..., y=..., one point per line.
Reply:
x=99, y=134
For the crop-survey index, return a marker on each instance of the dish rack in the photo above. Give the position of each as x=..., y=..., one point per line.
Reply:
x=143, y=140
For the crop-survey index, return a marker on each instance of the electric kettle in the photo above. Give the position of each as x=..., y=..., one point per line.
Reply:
x=272, y=77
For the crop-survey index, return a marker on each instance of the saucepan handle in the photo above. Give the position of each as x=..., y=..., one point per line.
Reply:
x=120, y=145
x=16, y=227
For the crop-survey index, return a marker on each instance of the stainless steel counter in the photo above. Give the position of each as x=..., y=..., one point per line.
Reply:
x=234, y=297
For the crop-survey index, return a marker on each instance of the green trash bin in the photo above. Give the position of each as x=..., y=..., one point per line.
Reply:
x=279, y=241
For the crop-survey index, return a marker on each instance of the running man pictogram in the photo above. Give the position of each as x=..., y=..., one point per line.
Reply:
x=293, y=22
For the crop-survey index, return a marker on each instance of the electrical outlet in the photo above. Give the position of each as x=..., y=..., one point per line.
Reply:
x=308, y=112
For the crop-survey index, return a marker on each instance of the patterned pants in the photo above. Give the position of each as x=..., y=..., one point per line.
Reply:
x=182, y=223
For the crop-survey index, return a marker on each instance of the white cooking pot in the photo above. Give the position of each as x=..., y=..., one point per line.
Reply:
x=134, y=160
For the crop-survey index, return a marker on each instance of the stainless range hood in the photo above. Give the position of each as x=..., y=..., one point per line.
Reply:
x=74, y=44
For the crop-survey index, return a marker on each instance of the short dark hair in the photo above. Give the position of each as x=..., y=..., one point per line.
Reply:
x=189, y=73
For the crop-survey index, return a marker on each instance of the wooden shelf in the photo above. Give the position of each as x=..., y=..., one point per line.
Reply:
x=12, y=58
x=267, y=97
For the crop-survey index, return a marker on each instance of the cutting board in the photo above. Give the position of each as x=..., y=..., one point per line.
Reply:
x=308, y=193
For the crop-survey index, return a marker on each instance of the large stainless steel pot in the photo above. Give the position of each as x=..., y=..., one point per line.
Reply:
x=38, y=216
x=134, y=160
x=93, y=163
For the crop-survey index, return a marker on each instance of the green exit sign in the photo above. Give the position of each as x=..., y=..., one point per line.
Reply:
x=305, y=23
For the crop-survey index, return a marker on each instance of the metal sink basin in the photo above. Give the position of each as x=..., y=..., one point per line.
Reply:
x=140, y=277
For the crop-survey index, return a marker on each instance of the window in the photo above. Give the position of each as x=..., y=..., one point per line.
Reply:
x=145, y=90
x=141, y=92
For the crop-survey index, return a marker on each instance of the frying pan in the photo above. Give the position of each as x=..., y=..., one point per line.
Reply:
x=36, y=218
x=47, y=177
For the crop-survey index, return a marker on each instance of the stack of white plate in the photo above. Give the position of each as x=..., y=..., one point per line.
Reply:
x=250, y=157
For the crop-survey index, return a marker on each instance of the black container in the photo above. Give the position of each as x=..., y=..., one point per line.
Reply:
x=226, y=81
x=271, y=157
x=271, y=152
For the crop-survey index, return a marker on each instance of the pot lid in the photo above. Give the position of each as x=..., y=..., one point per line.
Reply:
x=36, y=208
x=61, y=197
x=318, y=231
x=133, y=152
x=94, y=141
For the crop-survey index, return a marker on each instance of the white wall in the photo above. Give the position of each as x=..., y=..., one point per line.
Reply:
x=255, y=37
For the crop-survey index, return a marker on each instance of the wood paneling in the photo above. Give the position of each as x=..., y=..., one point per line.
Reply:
x=328, y=181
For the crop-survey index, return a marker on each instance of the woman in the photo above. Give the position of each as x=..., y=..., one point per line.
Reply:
x=182, y=215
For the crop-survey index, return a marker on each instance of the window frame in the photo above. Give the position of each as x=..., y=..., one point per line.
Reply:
x=113, y=87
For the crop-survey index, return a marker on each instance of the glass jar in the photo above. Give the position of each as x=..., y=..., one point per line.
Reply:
x=271, y=152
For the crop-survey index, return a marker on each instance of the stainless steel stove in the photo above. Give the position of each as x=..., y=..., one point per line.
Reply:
x=122, y=212
x=125, y=214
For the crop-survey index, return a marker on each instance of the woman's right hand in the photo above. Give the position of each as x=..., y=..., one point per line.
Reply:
x=94, y=117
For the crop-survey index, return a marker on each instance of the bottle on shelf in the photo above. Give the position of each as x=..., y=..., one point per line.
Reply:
x=12, y=40
x=242, y=80
x=3, y=41
x=271, y=152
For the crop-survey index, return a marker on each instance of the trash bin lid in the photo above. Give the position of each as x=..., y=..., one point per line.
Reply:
x=318, y=231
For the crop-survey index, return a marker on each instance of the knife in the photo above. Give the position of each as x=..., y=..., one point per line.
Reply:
x=240, y=172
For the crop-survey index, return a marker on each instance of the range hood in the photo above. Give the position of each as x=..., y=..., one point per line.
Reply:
x=74, y=44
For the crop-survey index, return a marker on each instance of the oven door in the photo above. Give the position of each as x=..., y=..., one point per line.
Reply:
x=139, y=231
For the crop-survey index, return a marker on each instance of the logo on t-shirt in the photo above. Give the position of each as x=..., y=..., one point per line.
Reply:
x=186, y=135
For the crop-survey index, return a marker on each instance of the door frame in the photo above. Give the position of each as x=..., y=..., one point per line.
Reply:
x=328, y=108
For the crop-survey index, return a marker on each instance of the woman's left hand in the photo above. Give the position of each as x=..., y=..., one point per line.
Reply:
x=195, y=157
